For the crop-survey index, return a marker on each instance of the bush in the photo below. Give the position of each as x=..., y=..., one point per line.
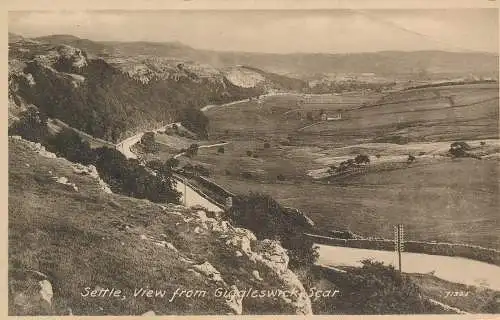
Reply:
x=192, y=150
x=32, y=126
x=220, y=150
x=149, y=143
x=201, y=170
x=361, y=158
x=384, y=290
x=459, y=149
x=246, y=175
x=280, y=177
x=196, y=121
x=411, y=159
x=68, y=144
x=267, y=145
x=249, y=153
x=483, y=143
x=124, y=176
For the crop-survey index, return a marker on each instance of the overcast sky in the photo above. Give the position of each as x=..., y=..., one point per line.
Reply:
x=278, y=31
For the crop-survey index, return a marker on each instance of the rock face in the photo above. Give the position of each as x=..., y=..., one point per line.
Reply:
x=299, y=217
x=30, y=293
x=268, y=255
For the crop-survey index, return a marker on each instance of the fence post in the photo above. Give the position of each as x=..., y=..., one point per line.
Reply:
x=398, y=242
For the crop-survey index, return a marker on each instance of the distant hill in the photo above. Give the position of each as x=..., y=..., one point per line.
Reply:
x=94, y=88
x=385, y=62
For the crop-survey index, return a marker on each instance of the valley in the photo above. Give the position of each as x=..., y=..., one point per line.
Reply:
x=151, y=140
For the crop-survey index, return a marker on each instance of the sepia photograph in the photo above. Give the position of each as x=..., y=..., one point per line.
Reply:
x=336, y=161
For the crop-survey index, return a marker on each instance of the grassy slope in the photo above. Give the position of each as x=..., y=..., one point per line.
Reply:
x=419, y=115
x=477, y=300
x=79, y=239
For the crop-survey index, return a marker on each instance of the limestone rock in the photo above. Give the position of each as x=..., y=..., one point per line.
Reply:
x=209, y=271
x=234, y=301
x=256, y=275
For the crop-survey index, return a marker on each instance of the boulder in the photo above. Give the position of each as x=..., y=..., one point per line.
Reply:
x=209, y=271
x=29, y=295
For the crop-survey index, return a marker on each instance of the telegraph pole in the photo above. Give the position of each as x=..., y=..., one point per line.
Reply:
x=185, y=192
x=399, y=242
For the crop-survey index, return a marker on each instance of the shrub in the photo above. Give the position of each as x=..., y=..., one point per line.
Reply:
x=361, y=158
x=201, y=170
x=280, y=177
x=124, y=176
x=483, y=143
x=68, y=144
x=32, y=125
x=267, y=145
x=384, y=291
x=246, y=175
x=377, y=155
x=196, y=121
x=220, y=150
x=411, y=159
x=459, y=149
x=149, y=144
x=249, y=153
x=192, y=150
x=309, y=116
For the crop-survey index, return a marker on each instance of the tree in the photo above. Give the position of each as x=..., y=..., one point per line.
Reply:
x=192, y=150
x=220, y=149
x=411, y=158
x=172, y=162
x=309, y=116
x=32, y=125
x=267, y=145
x=68, y=144
x=249, y=153
x=459, y=149
x=149, y=143
x=362, y=158
x=196, y=121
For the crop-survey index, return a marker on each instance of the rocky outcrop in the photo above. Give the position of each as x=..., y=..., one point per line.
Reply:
x=299, y=217
x=91, y=171
x=268, y=255
x=36, y=147
x=30, y=293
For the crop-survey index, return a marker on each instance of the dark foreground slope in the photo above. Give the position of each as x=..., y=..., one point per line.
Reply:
x=67, y=234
